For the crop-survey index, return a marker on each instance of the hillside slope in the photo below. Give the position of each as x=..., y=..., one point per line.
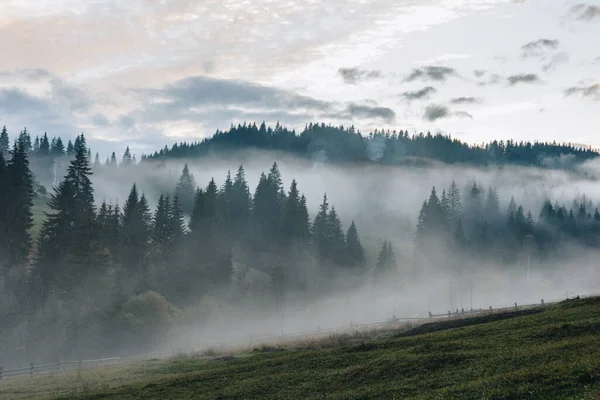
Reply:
x=553, y=353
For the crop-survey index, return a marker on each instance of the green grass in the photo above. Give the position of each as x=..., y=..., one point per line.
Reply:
x=553, y=353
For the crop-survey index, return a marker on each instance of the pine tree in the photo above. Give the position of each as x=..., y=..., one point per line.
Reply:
x=58, y=149
x=492, y=206
x=113, y=160
x=3, y=214
x=454, y=204
x=4, y=143
x=295, y=218
x=68, y=243
x=241, y=203
x=135, y=237
x=186, y=190
x=320, y=232
x=386, y=261
x=24, y=140
x=198, y=213
x=97, y=164
x=36, y=145
x=177, y=222
x=44, y=146
x=354, y=249
x=70, y=149
x=19, y=218
x=127, y=161
x=336, y=238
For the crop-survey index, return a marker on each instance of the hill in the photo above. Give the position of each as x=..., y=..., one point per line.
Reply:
x=347, y=145
x=543, y=353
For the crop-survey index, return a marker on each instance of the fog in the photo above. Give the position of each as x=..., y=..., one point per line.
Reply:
x=384, y=201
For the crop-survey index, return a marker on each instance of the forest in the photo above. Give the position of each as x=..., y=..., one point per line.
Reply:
x=337, y=144
x=95, y=277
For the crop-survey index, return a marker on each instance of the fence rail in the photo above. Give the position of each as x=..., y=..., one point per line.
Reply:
x=80, y=364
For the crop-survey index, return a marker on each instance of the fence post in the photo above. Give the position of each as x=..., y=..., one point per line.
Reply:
x=31, y=369
x=448, y=313
x=1, y=372
x=542, y=301
x=462, y=310
x=516, y=305
x=490, y=308
x=430, y=315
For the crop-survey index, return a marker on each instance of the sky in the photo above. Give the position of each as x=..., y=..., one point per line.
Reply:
x=145, y=73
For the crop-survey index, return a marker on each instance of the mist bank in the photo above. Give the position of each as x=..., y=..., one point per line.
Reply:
x=180, y=259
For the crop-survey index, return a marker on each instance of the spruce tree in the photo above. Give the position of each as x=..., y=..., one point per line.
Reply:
x=19, y=218
x=320, y=229
x=3, y=214
x=127, y=161
x=70, y=149
x=186, y=190
x=113, y=160
x=386, y=261
x=68, y=244
x=454, y=204
x=97, y=164
x=336, y=238
x=135, y=235
x=4, y=143
x=241, y=203
x=354, y=249
x=58, y=149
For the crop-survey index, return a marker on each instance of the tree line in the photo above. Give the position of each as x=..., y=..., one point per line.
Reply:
x=110, y=271
x=339, y=144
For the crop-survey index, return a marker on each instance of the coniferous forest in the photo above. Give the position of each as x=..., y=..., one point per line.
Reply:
x=94, y=276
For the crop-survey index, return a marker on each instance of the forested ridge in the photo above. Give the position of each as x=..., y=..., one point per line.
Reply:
x=100, y=275
x=339, y=144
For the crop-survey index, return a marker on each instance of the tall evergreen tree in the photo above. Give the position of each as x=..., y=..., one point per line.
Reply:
x=19, y=218
x=135, y=239
x=386, y=261
x=354, y=248
x=4, y=143
x=186, y=190
x=127, y=161
x=68, y=244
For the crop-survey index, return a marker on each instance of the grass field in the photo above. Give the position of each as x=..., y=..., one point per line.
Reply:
x=550, y=353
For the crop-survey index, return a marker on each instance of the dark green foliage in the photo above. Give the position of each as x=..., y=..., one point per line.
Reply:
x=354, y=249
x=69, y=246
x=345, y=144
x=18, y=203
x=4, y=143
x=186, y=190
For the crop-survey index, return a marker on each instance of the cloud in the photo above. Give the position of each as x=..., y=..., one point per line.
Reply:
x=493, y=79
x=539, y=47
x=353, y=75
x=462, y=114
x=479, y=72
x=38, y=114
x=434, y=112
x=586, y=12
x=217, y=102
x=466, y=100
x=421, y=94
x=523, y=78
x=434, y=73
x=592, y=91
x=558, y=59
x=361, y=111
x=201, y=91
